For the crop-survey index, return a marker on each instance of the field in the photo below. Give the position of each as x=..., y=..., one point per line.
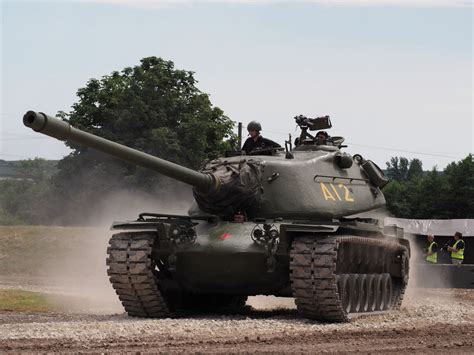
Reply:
x=55, y=296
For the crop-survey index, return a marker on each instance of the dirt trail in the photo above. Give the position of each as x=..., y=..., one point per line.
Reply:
x=69, y=265
x=431, y=321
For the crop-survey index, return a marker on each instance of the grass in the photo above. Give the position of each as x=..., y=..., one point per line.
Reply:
x=36, y=250
x=24, y=301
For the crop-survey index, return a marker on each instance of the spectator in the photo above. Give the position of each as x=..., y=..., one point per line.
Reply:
x=431, y=252
x=457, y=250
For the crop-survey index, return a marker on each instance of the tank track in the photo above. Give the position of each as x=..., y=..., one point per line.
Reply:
x=133, y=275
x=316, y=277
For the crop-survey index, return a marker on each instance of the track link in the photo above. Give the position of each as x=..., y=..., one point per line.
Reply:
x=314, y=273
x=131, y=271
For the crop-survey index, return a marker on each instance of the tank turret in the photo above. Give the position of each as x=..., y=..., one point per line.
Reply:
x=313, y=180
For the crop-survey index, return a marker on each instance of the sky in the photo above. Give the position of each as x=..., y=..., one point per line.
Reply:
x=395, y=76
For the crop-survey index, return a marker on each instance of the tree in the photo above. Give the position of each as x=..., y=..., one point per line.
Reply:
x=429, y=196
x=435, y=195
x=397, y=169
x=415, y=169
x=397, y=202
x=460, y=181
x=400, y=169
x=152, y=107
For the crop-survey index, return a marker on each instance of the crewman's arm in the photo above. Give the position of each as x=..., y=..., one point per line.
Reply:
x=246, y=146
x=270, y=143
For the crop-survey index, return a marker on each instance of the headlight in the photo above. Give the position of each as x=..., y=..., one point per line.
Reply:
x=175, y=232
x=257, y=233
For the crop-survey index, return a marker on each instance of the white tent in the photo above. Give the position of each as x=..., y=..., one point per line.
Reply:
x=433, y=226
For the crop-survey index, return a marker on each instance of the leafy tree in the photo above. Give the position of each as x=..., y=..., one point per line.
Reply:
x=152, y=107
x=435, y=195
x=400, y=169
x=460, y=192
x=397, y=169
x=396, y=196
x=415, y=169
x=428, y=196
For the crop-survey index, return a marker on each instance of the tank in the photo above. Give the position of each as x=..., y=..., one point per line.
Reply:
x=273, y=222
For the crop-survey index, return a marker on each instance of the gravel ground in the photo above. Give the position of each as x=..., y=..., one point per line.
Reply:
x=430, y=320
x=91, y=319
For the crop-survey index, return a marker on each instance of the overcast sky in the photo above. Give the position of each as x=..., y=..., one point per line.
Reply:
x=395, y=76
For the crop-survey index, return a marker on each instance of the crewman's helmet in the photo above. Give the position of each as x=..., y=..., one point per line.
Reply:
x=254, y=126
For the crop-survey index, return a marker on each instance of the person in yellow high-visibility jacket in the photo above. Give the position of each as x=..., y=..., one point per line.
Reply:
x=457, y=250
x=431, y=252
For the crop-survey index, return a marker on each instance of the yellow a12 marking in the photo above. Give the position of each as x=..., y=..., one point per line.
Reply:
x=343, y=191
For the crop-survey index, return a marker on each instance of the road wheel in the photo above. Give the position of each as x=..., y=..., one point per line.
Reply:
x=371, y=292
x=345, y=292
x=387, y=291
x=379, y=293
x=354, y=282
x=363, y=293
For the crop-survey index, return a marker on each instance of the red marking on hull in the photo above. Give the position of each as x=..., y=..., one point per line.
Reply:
x=225, y=236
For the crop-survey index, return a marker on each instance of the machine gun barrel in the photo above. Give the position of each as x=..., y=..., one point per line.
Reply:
x=318, y=123
x=62, y=130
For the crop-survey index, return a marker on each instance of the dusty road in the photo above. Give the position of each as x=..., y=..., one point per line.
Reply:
x=69, y=265
x=431, y=321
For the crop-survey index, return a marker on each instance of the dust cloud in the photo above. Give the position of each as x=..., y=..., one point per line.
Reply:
x=423, y=275
x=80, y=269
x=81, y=272
x=127, y=205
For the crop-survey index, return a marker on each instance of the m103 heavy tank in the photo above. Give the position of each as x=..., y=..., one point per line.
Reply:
x=273, y=222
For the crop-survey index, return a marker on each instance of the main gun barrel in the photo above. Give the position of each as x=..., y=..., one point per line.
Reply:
x=62, y=130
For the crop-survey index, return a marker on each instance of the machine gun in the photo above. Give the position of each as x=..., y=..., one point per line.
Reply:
x=312, y=124
x=315, y=124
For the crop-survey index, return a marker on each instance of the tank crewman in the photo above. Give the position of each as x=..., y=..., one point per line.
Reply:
x=431, y=252
x=321, y=138
x=256, y=140
x=457, y=250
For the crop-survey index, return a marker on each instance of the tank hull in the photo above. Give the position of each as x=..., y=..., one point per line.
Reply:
x=223, y=258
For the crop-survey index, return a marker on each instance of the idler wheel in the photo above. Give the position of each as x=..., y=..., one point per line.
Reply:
x=354, y=285
x=371, y=292
x=379, y=293
x=387, y=291
x=363, y=293
x=343, y=284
